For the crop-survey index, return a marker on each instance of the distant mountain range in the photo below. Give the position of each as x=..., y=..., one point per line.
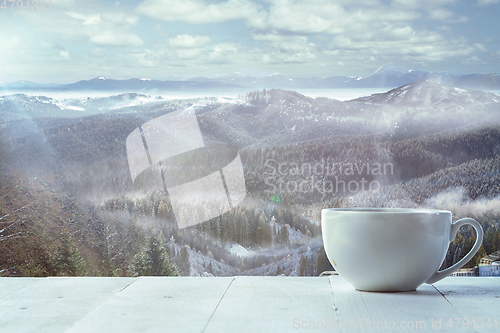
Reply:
x=102, y=83
x=430, y=94
x=387, y=76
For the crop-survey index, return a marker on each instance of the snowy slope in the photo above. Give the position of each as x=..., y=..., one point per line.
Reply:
x=431, y=94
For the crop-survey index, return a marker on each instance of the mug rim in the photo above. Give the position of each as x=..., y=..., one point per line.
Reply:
x=386, y=210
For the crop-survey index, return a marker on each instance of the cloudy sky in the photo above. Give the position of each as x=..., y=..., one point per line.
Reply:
x=82, y=39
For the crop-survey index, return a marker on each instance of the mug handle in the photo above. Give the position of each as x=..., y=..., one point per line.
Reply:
x=453, y=232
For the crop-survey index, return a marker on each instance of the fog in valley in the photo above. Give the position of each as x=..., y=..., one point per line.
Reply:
x=70, y=207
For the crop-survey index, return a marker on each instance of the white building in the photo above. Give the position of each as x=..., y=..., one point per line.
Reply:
x=492, y=269
x=465, y=272
x=490, y=265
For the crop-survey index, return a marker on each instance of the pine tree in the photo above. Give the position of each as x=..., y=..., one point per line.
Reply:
x=302, y=265
x=457, y=255
x=283, y=237
x=154, y=261
x=210, y=268
x=183, y=261
x=481, y=253
x=68, y=260
x=243, y=225
x=322, y=263
x=264, y=232
x=311, y=271
x=163, y=210
x=491, y=239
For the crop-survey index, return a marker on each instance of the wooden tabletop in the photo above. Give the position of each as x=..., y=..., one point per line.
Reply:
x=243, y=304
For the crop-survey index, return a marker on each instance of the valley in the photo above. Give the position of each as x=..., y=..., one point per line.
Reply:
x=64, y=162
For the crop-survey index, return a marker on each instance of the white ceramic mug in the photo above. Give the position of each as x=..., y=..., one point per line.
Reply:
x=391, y=249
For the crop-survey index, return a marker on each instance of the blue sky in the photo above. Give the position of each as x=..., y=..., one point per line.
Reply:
x=160, y=39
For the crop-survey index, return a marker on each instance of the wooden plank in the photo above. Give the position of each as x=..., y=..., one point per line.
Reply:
x=157, y=304
x=422, y=310
x=274, y=304
x=54, y=304
x=476, y=298
x=11, y=285
x=241, y=304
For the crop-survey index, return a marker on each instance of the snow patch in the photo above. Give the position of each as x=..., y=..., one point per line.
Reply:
x=63, y=106
x=74, y=108
x=240, y=251
x=135, y=101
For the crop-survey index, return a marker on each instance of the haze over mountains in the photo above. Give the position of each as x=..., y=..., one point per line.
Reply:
x=420, y=94
x=387, y=76
x=65, y=161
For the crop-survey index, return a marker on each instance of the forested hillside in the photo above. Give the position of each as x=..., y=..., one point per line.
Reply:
x=68, y=205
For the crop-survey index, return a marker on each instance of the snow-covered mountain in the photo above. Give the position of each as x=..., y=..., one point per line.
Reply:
x=387, y=76
x=393, y=76
x=103, y=84
x=431, y=94
x=19, y=106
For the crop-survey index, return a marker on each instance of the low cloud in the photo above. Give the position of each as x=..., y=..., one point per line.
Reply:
x=87, y=19
x=474, y=60
x=63, y=55
x=484, y=3
x=187, y=41
x=457, y=201
x=196, y=11
x=480, y=47
x=327, y=17
x=98, y=52
x=105, y=29
x=359, y=31
x=422, y=3
x=321, y=35
x=112, y=38
x=441, y=14
x=286, y=49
